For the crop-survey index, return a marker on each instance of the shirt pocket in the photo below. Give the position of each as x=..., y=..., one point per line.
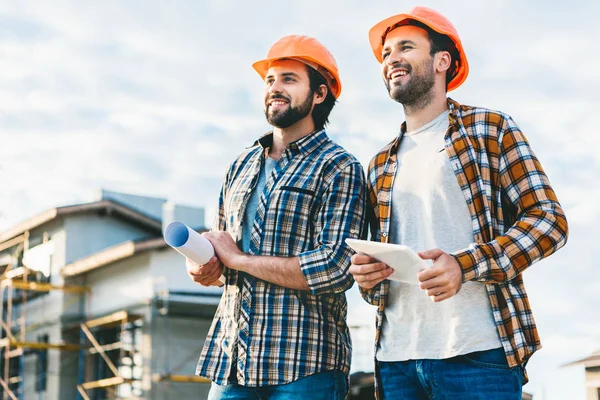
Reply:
x=291, y=215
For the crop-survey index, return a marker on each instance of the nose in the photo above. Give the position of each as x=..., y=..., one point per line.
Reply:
x=394, y=57
x=276, y=86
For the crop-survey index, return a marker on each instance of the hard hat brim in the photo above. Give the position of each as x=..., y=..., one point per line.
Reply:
x=262, y=67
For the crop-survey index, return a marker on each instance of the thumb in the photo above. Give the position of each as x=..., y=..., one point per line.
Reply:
x=432, y=254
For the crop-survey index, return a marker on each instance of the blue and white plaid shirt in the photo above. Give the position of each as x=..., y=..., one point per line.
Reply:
x=313, y=200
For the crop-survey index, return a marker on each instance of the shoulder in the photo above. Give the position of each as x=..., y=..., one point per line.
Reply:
x=242, y=160
x=473, y=115
x=333, y=155
x=484, y=122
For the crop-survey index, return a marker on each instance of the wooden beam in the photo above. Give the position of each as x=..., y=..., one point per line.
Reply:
x=92, y=339
x=7, y=390
x=104, y=383
x=46, y=287
x=82, y=393
x=39, y=345
x=12, y=242
x=183, y=378
x=114, y=319
x=106, y=347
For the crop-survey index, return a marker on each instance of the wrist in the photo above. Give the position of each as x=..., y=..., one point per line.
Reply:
x=240, y=262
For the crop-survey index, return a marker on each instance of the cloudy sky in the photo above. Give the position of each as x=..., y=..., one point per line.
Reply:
x=156, y=98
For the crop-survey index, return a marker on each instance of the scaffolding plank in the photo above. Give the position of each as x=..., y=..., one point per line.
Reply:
x=106, y=347
x=12, y=242
x=39, y=345
x=46, y=287
x=104, y=383
x=111, y=320
x=184, y=378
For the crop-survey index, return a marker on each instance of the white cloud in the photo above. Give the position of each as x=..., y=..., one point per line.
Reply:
x=157, y=99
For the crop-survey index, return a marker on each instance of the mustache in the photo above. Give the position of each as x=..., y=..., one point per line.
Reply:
x=278, y=96
x=405, y=66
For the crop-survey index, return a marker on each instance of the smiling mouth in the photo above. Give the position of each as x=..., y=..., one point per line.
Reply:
x=397, y=74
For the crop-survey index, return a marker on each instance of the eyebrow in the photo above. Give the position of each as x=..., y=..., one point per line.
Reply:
x=284, y=74
x=402, y=43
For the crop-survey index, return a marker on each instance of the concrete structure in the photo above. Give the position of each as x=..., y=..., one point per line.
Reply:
x=96, y=305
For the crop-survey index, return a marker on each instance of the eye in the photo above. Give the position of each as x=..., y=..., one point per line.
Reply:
x=269, y=81
x=289, y=79
x=406, y=48
x=385, y=55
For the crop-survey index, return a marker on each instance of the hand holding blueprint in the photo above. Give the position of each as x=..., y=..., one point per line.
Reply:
x=190, y=244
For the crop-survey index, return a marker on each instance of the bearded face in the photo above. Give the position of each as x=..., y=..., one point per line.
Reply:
x=281, y=112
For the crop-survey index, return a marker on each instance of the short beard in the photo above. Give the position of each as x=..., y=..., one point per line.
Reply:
x=418, y=93
x=287, y=118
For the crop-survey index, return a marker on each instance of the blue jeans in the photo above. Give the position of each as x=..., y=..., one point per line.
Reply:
x=481, y=375
x=329, y=385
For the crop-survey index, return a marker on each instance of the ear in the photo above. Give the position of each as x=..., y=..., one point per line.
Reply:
x=443, y=60
x=320, y=94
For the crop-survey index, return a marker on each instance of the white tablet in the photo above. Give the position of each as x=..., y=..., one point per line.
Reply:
x=405, y=261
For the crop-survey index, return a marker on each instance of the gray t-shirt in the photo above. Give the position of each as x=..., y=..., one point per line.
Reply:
x=429, y=211
x=253, y=202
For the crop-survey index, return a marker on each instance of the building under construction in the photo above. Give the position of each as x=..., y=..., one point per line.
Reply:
x=95, y=305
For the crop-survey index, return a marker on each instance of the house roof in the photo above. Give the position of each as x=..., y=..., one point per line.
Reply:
x=108, y=206
x=591, y=361
x=111, y=255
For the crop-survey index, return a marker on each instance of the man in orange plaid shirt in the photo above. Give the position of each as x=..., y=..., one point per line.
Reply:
x=462, y=186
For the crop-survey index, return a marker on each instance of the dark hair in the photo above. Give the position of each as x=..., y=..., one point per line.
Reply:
x=437, y=42
x=320, y=114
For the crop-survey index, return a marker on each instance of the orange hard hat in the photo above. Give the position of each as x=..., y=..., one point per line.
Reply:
x=307, y=50
x=433, y=20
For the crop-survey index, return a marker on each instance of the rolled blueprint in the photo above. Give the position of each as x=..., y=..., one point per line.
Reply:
x=190, y=244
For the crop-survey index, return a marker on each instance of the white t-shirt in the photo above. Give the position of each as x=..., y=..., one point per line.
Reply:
x=429, y=211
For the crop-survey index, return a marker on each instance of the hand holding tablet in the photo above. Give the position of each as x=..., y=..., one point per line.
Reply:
x=405, y=261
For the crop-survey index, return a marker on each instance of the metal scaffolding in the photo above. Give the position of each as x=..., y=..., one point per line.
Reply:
x=114, y=341
x=16, y=282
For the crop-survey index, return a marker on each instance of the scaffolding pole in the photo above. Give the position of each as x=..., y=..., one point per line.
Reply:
x=117, y=319
x=12, y=344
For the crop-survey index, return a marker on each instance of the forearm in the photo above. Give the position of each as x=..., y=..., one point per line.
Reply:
x=539, y=228
x=535, y=236
x=282, y=271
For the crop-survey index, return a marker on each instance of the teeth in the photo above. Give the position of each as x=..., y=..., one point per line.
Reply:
x=277, y=103
x=397, y=74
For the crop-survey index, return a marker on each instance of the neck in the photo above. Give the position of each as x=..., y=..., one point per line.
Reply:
x=282, y=137
x=425, y=110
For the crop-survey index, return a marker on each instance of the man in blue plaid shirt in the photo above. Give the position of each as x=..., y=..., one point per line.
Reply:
x=286, y=206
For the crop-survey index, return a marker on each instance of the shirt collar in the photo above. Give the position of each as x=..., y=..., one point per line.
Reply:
x=305, y=145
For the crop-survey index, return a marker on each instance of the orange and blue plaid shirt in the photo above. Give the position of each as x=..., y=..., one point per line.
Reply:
x=516, y=217
x=315, y=198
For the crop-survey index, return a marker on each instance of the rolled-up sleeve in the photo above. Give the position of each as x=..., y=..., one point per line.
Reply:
x=341, y=216
x=540, y=228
